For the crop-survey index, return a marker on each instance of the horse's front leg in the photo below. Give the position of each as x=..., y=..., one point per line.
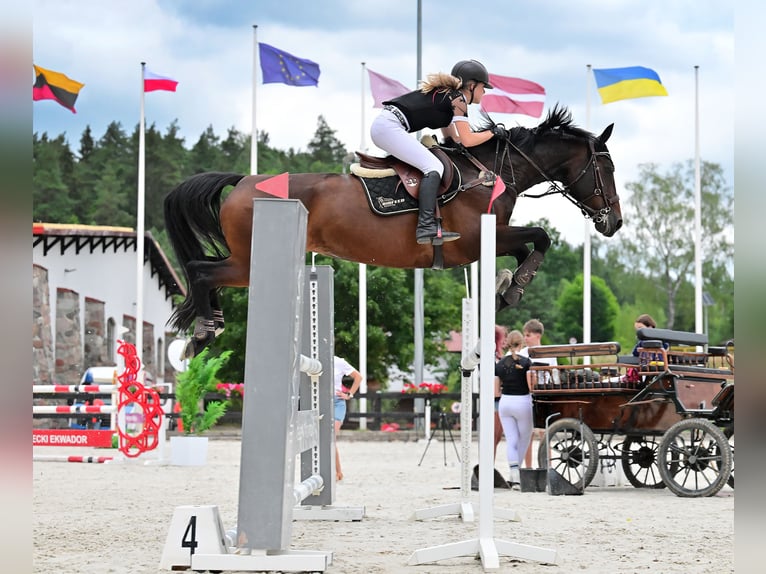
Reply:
x=509, y=287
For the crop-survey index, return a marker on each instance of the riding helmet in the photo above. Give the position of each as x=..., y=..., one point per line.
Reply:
x=474, y=70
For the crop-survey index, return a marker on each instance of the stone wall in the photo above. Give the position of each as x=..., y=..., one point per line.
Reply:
x=69, y=355
x=95, y=326
x=42, y=335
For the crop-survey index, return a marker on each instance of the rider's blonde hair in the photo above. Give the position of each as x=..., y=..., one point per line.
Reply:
x=440, y=82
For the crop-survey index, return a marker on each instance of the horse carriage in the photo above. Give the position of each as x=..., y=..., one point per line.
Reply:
x=667, y=415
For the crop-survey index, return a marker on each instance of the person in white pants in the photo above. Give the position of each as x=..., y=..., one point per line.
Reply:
x=441, y=102
x=515, y=408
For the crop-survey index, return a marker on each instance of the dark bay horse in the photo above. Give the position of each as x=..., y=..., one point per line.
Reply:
x=212, y=239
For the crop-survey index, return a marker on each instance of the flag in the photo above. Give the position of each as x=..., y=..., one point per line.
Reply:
x=280, y=67
x=50, y=85
x=153, y=82
x=499, y=187
x=514, y=96
x=384, y=89
x=277, y=186
x=625, y=83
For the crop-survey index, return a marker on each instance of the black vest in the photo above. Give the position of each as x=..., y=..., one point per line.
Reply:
x=432, y=110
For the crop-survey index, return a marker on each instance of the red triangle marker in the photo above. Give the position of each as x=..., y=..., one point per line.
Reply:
x=276, y=186
x=497, y=191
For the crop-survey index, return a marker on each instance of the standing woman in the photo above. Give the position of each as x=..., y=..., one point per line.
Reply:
x=515, y=408
x=441, y=102
x=342, y=368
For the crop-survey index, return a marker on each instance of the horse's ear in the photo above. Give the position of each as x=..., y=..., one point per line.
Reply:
x=606, y=133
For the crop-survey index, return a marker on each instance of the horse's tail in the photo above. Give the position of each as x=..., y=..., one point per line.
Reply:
x=193, y=225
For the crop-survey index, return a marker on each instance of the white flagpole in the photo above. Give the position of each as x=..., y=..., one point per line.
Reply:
x=699, y=327
x=363, y=302
x=586, y=248
x=140, y=226
x=418, y=311
x=254, y=130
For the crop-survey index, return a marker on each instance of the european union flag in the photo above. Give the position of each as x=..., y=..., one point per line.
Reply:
x=280, y=67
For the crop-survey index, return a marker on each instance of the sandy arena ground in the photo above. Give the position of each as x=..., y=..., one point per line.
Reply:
x=114, y=518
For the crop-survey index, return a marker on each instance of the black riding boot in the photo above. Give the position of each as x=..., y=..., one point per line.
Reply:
x=427, y=231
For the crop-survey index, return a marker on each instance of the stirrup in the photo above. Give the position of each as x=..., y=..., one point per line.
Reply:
x=438, y=239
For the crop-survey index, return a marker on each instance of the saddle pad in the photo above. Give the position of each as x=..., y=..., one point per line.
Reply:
x=387, y=195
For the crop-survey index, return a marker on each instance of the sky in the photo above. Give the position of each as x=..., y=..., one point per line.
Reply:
x=207, y=45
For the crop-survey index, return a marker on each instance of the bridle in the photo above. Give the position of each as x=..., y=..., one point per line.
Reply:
x=597, y=215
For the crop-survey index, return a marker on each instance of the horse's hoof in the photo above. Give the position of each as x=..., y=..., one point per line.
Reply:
x=188, y=352
x=503, y=280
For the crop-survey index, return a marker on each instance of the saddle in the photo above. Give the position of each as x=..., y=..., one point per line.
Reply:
x=408, y=175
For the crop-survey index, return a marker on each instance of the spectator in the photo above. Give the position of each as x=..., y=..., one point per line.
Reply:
x=533, y=334
x=515, y=407
x=341, y=369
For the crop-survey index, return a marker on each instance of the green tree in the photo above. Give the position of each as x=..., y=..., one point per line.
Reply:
x=658, y=237
x=562, y=263
x=604, y=310
x=50, y=197
x=325, y=148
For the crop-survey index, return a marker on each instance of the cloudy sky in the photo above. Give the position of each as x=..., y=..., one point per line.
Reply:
x=207, y=45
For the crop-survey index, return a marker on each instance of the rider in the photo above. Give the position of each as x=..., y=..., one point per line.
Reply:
x=441, y=102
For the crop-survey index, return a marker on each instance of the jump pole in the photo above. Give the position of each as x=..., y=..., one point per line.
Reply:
x=486, y=546
x=464, y=508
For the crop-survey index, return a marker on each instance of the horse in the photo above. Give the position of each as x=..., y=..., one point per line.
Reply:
x=212, y=239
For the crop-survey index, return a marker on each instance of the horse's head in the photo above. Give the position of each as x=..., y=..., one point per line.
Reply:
x=558, y=151
x=581, y=161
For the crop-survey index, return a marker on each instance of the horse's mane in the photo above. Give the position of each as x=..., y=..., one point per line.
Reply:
x=558, y=120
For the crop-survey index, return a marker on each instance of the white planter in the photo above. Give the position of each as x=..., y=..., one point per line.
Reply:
x=188, y=450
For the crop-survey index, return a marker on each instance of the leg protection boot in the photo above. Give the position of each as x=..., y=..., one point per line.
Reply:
x=427, y=230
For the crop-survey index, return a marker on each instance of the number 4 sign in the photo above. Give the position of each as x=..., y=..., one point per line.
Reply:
x=193, y=530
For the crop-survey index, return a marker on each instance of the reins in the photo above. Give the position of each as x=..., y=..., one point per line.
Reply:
x=487, y=177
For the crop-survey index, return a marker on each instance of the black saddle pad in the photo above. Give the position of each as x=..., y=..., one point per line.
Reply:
x=387, y=195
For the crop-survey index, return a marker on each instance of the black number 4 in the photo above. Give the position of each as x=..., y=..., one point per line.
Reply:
x=189, y=539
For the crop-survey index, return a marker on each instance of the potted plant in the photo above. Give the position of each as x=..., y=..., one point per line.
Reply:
x=192, y=385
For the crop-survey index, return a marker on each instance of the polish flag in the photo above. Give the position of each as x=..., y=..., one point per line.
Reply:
x=154, y=82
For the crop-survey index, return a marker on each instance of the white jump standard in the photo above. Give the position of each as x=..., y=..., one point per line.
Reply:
x=485, y=546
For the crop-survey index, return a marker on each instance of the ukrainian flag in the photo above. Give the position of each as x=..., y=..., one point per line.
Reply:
x=625, y=83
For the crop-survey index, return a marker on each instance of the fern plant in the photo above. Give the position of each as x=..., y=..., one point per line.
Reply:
x=191, y=386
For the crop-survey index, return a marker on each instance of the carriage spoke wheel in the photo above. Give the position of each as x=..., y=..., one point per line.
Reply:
x=729, y=433
x=639, y=462
x=695, y=458
x=574, y=454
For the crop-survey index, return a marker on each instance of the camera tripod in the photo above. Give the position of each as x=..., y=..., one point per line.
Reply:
x=441, y=424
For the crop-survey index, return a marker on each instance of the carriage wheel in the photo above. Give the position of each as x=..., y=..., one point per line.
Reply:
x=639, y=462
x=695, y=458
x=573, y=455
x=729, y=433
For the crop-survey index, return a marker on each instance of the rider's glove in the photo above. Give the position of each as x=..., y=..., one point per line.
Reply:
x=500, y=131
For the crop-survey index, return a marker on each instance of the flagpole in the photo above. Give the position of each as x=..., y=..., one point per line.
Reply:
x=586, y=248
x=363, y=300
x=140, y=227
x=418, y=311
x=254, y=130
x=699, y=327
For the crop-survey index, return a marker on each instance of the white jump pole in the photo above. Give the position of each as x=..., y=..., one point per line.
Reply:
x=485, y=546
x=464, y=508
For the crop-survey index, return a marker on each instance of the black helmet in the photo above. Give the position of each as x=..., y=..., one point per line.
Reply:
x=468, y=70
